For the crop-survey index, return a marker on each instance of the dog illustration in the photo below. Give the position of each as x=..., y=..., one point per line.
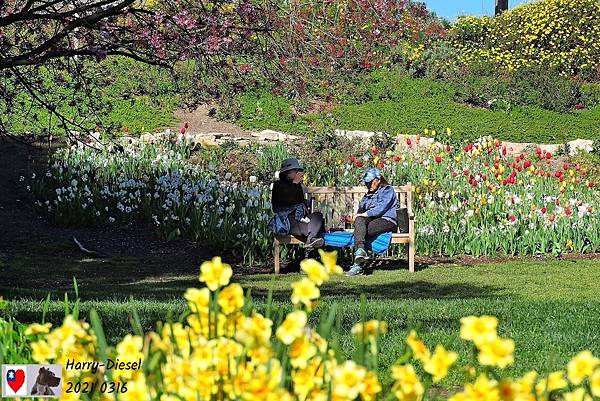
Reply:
x=44, y=381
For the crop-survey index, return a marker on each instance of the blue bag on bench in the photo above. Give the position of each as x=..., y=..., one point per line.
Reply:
x=341, y=239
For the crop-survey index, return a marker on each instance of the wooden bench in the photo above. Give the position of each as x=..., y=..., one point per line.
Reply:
x=335, y=203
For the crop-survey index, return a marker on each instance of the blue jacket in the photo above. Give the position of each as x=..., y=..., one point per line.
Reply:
x=381, y=203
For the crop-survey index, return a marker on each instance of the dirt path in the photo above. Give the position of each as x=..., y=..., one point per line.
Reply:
x=201, y=121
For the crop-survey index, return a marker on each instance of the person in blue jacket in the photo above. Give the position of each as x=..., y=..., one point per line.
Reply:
x=376, y=215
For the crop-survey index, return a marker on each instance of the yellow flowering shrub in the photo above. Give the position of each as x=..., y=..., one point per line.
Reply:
x=222, y=349
x=558, y=34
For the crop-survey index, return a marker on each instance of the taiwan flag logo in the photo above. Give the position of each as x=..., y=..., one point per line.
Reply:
x=15, y=380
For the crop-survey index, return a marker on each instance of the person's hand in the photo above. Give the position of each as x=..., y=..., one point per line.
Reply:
x=298, y=177
x=305, y=220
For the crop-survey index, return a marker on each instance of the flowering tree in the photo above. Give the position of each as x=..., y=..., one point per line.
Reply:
x=48, y=47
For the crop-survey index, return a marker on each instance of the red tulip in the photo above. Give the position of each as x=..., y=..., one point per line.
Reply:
x=408, y=142
x=577, y=180
x=552, y=218
x=504, y=151
x=548, y=174
x=448, y=148
x=522, y=156
x=589, y=209
x=485, y=163
x=565, y=166
x=438, y=159
x=568, y=212
x=591, y=184
x=359, y=164
x=352, y=159
x=397, y=158
x=512, y=218
x=548, y=155
x=465, y=172
x=183, y=130
x=543, y=210
x=583, y=172
x=126, y=129
x=578, y=167
x=186, y=125
x=381, y=164
x=527, y=164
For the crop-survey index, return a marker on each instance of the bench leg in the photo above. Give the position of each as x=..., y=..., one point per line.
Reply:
x=411, y=247
x=276, y=255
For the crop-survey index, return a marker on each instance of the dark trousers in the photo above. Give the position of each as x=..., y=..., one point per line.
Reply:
x=308, y=230
x=370, y=227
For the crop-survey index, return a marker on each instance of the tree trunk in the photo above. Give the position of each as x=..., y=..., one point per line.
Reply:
x=501, y=6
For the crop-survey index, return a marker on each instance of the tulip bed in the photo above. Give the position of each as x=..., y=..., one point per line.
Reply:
x=475, y=200
x=222, y=348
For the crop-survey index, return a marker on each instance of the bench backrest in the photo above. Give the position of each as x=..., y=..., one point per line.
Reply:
x=335, y=203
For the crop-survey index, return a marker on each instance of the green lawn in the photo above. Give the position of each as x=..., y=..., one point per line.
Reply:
x=390, y=102
x=550, y=308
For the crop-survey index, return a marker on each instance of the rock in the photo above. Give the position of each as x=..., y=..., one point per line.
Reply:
x=128, y=140
x=577, y=145
x=515, y=148
x=268, y=135
x=551, y=148
x=355, y=134
x=147, y=138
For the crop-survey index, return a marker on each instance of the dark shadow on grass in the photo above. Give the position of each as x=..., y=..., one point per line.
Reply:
x=353, y=287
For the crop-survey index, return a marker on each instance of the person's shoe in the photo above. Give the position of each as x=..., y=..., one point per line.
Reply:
x=355, y=270
x=360, y=256
x=314, y=243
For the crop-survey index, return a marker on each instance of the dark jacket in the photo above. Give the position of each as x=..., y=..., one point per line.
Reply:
x=285, y=194
x=288, y=203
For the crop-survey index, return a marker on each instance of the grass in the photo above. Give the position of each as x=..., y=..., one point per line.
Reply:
x=550, y=307
x=390, y=102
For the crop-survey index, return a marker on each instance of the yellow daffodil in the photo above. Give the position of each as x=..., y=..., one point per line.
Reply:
x=439, y=363
x=555, y=381
x=305, y=291
x=581, y=366
x=595, y=383
x=36, y=328
x=215, y=273
x=418, y=347
x=372, y=387
x=478, y=329
x=483, y=389
x=231, y=298
x=371, y=328
x=315, y=271
x=301, y=350
x=497, y=352
x=198, y=299
x=329, y=260
x=407, y=386
x=348, y=380
x=292, y=327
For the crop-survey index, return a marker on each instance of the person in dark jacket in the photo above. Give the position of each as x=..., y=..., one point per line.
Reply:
x=292, y=209
x=376, y=215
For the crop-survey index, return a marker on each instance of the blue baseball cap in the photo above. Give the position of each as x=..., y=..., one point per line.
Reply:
x=371, y=174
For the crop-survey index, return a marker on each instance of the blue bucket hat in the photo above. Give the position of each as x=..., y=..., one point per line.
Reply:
x=290, y=164
x=371, y=174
